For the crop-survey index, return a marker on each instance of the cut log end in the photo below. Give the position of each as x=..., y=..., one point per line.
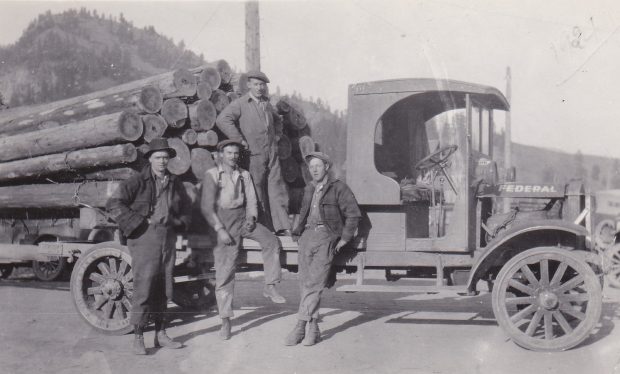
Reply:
x=189, y=137
x=184, y=82
x=174, y=112
x=211, y=76
x=130, y=126
x=306, y=146
x=203, y=115
x=201, y=162
x=208, y=138
x=150, y=100
x=204, y=90
x=154, y=126
x=182, y=161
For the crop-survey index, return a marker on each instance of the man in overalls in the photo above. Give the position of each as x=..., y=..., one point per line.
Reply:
x=229, y=205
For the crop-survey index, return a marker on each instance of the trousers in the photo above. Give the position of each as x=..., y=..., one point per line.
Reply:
x=225, y=257
x=315, y=260
x=270, y=190
x=153, y=254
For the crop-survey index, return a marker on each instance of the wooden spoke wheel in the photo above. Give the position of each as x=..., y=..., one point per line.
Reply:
x=613, y=275
x=48, y=271
x=547, y=299
x=6, y=270
x=102, y=288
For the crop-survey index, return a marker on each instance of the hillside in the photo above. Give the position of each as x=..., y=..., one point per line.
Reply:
x=536, y=164
x=76, y=52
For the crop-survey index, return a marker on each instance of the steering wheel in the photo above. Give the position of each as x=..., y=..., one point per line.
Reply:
x=436, y=158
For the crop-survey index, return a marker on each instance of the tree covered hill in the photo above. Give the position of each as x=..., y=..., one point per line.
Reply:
x=76, y=52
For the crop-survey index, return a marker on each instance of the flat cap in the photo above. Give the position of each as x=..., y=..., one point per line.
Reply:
x=320, y=155
x=257, y=75
x=227, y=142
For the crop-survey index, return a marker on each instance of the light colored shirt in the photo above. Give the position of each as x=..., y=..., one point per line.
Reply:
x=227, y=190
x=314, y=218
x=161, y=209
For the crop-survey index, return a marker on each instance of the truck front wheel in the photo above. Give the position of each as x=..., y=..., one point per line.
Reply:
x=547, y=299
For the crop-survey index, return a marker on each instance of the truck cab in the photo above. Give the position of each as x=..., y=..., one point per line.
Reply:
x=416, y=151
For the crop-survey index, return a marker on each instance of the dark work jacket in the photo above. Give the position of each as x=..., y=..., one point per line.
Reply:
x=134, y=201
x=337, y=207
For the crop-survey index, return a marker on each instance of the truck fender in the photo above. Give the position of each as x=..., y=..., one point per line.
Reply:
x=523, y=236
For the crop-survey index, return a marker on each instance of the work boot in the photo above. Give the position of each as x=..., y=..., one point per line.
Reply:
x=297, y=335
x=163, y=340
x=225, y=329
x=138, y=341
x=270, y=292
x=314, y=334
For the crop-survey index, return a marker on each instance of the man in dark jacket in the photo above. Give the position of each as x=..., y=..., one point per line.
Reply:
x=252, y=120
x=148, y=207
x=329, y=216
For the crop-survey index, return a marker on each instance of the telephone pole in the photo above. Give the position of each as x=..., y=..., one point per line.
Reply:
x=508, y=137
x=252, y=36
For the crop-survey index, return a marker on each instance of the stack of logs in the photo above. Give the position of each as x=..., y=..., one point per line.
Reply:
x=72, y=153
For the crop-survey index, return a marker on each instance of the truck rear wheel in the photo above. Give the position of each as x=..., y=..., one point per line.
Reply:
x=197, y=296
x=102, y=287
x=547, y=299
x=6, y=270
x=48, y=271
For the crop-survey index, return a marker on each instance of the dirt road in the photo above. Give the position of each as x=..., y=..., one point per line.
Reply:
x=40, y=332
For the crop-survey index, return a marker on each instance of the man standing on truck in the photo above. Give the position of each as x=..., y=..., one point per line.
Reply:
x=252, y=120
x=328, y=219
x=148, y=207
x=229, y=205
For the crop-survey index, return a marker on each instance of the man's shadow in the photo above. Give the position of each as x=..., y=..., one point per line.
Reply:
x=250, y=320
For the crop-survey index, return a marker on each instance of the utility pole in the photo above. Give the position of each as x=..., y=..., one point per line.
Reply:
x=252, y=36
x=508, y=137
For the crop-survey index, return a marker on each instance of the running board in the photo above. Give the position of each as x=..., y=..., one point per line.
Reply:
x=402, y=289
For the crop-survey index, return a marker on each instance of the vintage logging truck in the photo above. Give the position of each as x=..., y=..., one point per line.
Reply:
x=419, y=158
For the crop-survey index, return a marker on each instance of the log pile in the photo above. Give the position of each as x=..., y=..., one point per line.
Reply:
x=71, y=153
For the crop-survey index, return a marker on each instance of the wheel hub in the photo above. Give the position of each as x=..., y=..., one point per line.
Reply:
x=113, y=289
x=548, y=300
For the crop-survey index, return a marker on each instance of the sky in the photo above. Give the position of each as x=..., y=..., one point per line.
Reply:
x=563, y=55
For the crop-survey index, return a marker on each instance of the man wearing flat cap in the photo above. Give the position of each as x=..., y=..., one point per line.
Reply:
x=328, y=218
x=252, y=120
x=228, y=203
x=149, y=207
